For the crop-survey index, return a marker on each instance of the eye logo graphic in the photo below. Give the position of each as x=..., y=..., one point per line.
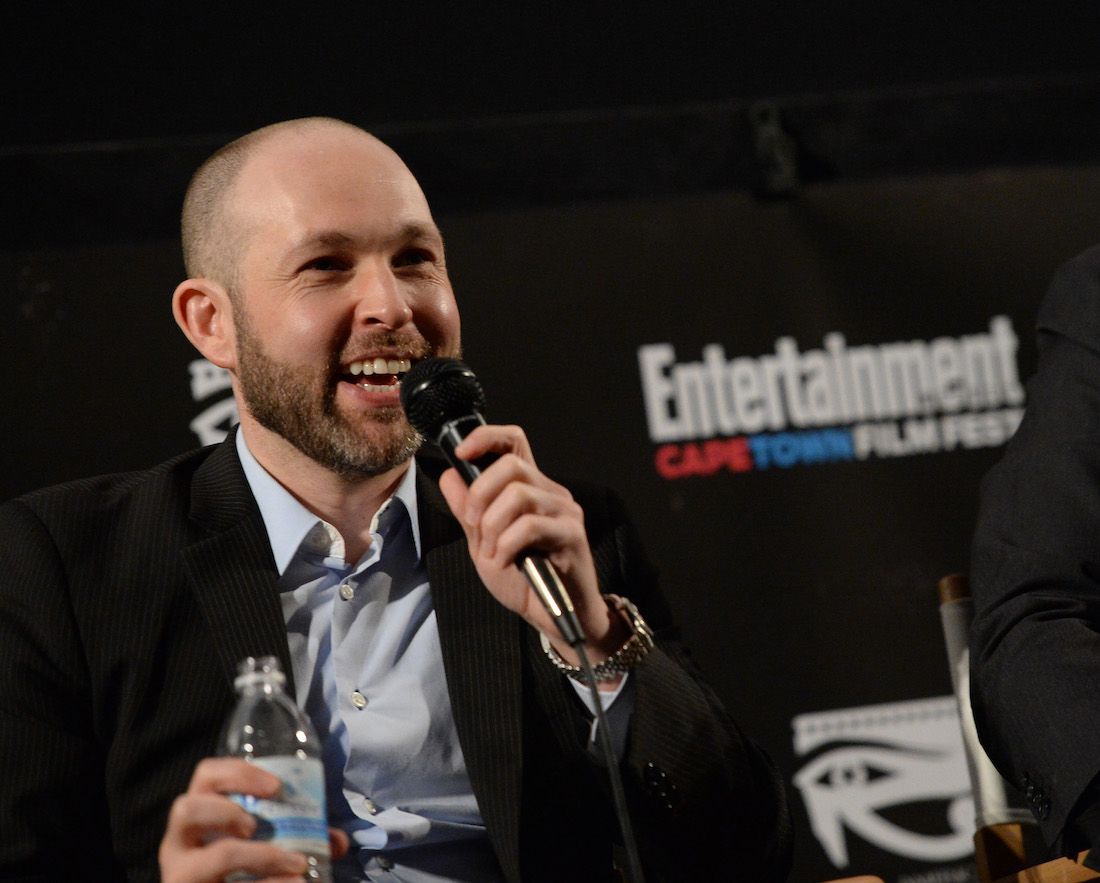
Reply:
x=213, y=424
x=883, y=756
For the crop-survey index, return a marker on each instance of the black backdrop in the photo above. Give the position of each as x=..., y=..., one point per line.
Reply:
x=805, y=589
x=918, y=211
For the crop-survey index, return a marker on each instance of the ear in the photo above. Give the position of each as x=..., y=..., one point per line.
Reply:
x=204, y=313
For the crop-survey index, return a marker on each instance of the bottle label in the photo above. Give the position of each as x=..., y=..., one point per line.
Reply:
x=296, y=821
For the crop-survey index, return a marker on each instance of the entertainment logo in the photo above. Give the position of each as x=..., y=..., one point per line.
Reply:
x=831, y=404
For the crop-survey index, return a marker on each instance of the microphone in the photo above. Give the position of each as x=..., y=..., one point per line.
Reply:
x=443, y=400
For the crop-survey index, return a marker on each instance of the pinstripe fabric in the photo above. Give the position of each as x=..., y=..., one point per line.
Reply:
x=725, y=816
x=126, y=601
x=727, y=799
x=483, y=675
x=111, y=687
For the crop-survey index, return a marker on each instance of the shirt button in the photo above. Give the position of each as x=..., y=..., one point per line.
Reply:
x=370, y=806
x=347, y=591
x=358, y=700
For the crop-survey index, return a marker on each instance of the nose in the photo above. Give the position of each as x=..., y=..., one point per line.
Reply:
x=380, y=300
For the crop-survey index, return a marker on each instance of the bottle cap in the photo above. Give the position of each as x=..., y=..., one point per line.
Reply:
x=259, y=670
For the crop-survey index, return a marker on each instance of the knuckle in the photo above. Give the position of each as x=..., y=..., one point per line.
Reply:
x=210, y=772
x=229, y=852
x=179, y=812
x=204, y=771
x=519, y=495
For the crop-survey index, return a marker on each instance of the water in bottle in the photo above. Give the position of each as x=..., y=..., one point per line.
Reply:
x=269, y=730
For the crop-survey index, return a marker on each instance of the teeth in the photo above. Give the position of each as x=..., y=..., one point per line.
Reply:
x=379, y=366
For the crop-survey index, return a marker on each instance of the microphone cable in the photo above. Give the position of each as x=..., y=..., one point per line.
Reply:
x=618, y=795
x=443, y=399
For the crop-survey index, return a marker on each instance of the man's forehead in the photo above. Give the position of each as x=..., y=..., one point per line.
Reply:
x=403, y=231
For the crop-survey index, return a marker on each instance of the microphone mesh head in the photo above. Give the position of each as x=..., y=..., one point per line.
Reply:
x=437, y=391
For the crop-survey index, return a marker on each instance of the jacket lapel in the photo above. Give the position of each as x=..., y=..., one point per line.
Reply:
x=231, y=566
x=481, y=644
x=233, y=572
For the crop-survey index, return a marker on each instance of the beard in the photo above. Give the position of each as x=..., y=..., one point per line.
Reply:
x=299, y=404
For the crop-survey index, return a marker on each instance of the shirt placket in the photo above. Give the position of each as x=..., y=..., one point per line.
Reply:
x=356, y=615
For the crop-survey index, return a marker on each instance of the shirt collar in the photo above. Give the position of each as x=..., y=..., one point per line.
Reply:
x=288, y=522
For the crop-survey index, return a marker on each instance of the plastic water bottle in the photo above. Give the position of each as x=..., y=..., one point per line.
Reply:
x=269, y=730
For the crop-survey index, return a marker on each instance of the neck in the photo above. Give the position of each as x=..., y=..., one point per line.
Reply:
x=349, y=505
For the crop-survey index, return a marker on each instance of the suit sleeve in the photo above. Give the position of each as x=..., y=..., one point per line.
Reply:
x=1035, y=641
x=52, y=808
x=707, y=803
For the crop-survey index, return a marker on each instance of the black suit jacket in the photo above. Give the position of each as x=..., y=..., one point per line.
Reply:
x=1035, y=649
x=127, y=601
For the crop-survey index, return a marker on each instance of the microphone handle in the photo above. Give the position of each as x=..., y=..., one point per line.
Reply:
x=540, y=573
x=452, y=434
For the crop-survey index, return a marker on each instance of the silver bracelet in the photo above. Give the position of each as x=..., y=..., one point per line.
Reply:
x=635, y=649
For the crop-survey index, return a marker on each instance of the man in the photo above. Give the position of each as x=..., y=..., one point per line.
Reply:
x=455, y=746
x=1035, y=645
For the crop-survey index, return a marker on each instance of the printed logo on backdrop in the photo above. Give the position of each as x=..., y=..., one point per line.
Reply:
x=868, y=768
x=833, y=404
x=210, y=386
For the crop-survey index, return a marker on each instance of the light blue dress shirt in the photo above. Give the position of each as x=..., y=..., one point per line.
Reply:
x=368, y=670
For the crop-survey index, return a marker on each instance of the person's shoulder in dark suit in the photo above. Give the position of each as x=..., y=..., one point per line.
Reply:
x=1035, y=570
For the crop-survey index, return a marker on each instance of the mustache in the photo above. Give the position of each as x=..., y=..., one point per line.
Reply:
x=406, y=345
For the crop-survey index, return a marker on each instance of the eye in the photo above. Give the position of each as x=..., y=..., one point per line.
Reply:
x=411, y=257
x=325, y=264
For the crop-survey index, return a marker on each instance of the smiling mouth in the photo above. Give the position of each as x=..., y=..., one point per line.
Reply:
x=376, y=372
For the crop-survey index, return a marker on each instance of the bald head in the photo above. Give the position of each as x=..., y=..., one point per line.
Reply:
x=312, y=251
x=212, y=234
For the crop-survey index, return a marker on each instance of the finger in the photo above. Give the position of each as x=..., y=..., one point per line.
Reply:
x=195, y=818
x=216, y=860
x=518, y=499
x=498, y=439
x=558, y=539
x=338, y=842
x=468, y=502
x=565, y=546
x=507, y=470
x=232, y=775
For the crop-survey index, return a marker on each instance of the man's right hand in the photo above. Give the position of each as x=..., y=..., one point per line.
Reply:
x=207, y=834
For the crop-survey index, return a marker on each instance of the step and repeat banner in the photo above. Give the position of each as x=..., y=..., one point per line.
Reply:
x=796, y=399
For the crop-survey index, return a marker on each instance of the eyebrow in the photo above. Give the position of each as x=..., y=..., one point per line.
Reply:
x=415, y=230
x=411, y=232
x=329, y=239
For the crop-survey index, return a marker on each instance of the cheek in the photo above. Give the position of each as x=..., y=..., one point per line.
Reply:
x=438, y=321
x=300, y=335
